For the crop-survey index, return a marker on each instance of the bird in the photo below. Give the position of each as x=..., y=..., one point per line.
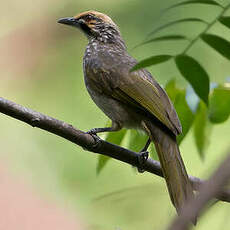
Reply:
x=131, y=99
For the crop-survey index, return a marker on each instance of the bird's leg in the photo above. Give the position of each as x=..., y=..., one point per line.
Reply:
x=93, y=132
x=143, y=156
x=146, y=146
x=100, y=130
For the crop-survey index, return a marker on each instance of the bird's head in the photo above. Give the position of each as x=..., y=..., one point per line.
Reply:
x=94, y=24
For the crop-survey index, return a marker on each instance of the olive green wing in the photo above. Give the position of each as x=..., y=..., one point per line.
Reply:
x=140, y=92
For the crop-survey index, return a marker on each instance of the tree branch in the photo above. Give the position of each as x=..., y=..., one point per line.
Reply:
x=207, y=191
x=87, y=142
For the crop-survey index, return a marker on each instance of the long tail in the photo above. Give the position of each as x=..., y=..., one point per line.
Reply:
x=179, y=186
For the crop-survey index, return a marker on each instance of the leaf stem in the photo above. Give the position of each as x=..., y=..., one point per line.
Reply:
x=206, y=29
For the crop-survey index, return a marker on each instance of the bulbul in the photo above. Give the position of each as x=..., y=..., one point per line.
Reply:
x=131, y=99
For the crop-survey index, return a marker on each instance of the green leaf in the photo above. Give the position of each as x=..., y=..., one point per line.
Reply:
x=225, y=21
x=102, y=161
x=163, y=38
x=221, y=45
x=137, y=140
x=171, y=90
x=184, y=113
x=209, y=2
x=194, y=73
x=202, y=129
x=178, y=97
x=219, y=101
x=115, y=138
x=153, y=152
x=151, y=61
x=176, y=22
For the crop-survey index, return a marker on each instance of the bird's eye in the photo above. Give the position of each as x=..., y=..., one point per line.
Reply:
x=89, y=17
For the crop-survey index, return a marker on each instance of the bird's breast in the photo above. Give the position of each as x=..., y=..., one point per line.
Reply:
x=98, y=71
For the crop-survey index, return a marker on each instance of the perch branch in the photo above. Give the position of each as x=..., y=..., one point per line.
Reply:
x=207, y=191
x=86, y=141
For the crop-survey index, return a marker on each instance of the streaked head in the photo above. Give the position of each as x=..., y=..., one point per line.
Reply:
x=94, y=24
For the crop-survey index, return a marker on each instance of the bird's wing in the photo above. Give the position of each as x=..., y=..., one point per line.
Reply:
x=141, y=92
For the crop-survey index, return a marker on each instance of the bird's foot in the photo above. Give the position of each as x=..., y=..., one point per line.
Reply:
x=142, y=158
x=92, y=131
x=97, y=139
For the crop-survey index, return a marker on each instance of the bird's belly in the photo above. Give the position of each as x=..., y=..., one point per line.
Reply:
x=116, y=110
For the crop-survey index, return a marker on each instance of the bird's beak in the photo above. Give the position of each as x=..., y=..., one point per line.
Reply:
x=68, y=21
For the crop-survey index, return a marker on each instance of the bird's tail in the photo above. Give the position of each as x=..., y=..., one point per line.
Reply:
x=179, y=186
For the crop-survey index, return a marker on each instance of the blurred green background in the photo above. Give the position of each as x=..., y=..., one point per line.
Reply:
x=41, y=68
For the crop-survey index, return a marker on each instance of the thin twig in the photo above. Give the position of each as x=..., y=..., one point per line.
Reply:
x=86, y=141
x=209, y=25
x=207, y=191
